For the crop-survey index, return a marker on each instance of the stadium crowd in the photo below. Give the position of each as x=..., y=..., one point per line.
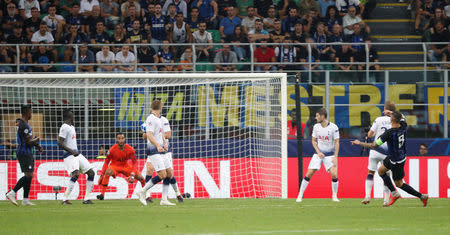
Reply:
x=141, y=23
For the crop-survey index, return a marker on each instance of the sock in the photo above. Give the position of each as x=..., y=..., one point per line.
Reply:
x=387, y=192
x=303, y=186
x=27, y=186
x=69, y=188
x=369, y=185
x=174, y=184
x=165, y=189
x=148, y=178
x=19, y=184
x=387, y=181
x=89, y=186
x=410, y=190
x=151, y=183
x=104, y=184
x=334, y=186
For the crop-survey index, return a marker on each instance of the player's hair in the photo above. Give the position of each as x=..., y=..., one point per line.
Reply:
x=156, y=105
x=424, y=144
x=389, y=105
x=120, y=133
x=66, y=113
x=322, y=111
x=397, y=116
x=24, y=109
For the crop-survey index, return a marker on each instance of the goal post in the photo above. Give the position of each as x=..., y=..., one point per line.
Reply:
x=229, y=130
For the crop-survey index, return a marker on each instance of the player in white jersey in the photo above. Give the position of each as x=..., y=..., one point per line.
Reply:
x=157, y=148
x=73, y=160
x=379, y=126
x=325, y=140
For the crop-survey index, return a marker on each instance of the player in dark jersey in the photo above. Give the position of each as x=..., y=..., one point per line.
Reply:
x=25, y=144
x=395, y=160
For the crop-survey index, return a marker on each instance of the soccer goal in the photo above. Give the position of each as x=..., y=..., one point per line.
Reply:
x=229, y=130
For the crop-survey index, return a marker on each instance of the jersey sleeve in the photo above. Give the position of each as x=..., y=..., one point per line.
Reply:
x=107, y=160
x=403, y=123
x=383, y=138
x=63, y=132
x=23, y=130
x=133, y=157
x=166, y=125
x=149, y=125
x=336, y=133
x=374, y=126
x=314, y=132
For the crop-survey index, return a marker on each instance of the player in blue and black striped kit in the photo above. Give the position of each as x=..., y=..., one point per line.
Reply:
x=25, y=145
x=395, y=160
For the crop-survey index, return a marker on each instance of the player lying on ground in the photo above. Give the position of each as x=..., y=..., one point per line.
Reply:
x=117, y=163
x=395, y=161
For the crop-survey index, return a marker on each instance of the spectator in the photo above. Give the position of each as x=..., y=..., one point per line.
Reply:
x=147, y=56
x=180, y=6
x=248, y=22
x=331, y=19
x=223, y=59
x=147, y=7
x=227, y=24
x=186, y=61
x=74, y=36
x=286, y=54
x=298, y=36
x=109, y=10
x=194, y=20
x=277, y=35
x=291, y=20
x=204, y=52
x=438, y=16
x=305, y=6
x=314, y=59
x=320, y=37
x=262, y=8
x=157, y=27
x=99, y=36
x=86, y=7
x=343, y=7
x=125, y=60
x=292, y=126
x=6, y=57
x=324, y=5
x=344, y=58
x=423, y=149
x=55, y=23
x=424, y=14
x=446, y=57
x=166, y=57
x=208, y=12
x=269, y=21
x=373, y=57
x=85, y=59
x=119, y=37
x=68, y=64
x=223, y=5
x=357, y=37
x=31, y=25
x=75, y=18
x=44, y=57
x=45, y=4
x=90, y=23
x=9, y=20
x=25, y=58
x=258, y=33
x=284, y=7
x=440, y=35
x=242, y=7
x=132, y=16
x=335, y=37
x=66, y=6
x=42, y=35
x=136, y=35
x=237, y=38
x=125, y=8
x=172, y=14
x=264, y=54
x=350, y=19
x=311, y=23
x=18, y=37
x=180, y=33
x=105, y=60
x=25, y=7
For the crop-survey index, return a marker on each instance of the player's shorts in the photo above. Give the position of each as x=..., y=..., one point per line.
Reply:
x=375, y=157
x=398, y=171
x=316, y=162
x=26, y=162
x=79, y=162
x=161, y=161
x=124, y=170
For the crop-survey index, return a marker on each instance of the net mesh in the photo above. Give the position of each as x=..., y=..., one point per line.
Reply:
x=226, y=141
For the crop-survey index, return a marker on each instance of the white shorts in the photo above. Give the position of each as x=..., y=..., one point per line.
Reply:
x=161, y=161
x=79, y=162
x=316, y=162
x=375, y=158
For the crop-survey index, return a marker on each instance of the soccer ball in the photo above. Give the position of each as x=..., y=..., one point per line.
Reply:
x=143, y=129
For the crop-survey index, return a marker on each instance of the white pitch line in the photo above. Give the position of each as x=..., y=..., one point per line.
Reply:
x=303, y=231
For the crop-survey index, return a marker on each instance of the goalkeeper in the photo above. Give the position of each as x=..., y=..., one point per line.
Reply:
x=117, y=162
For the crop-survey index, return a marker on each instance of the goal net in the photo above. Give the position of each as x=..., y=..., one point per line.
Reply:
x=229, y=130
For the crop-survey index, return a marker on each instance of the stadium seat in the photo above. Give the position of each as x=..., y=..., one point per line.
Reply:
x=203, y=66
x=215, y=35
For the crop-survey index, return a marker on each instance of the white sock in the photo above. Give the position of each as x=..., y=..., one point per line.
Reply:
x=148, y=194
x=175, y=188
x=369, y=185
x=387, y=192
x=334, y=187
x=303, y=187
x=165, y=191
x=89, y=186
x=68, y=190
x=147, y=186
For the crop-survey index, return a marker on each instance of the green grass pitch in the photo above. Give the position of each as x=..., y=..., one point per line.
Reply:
x=228, y=216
